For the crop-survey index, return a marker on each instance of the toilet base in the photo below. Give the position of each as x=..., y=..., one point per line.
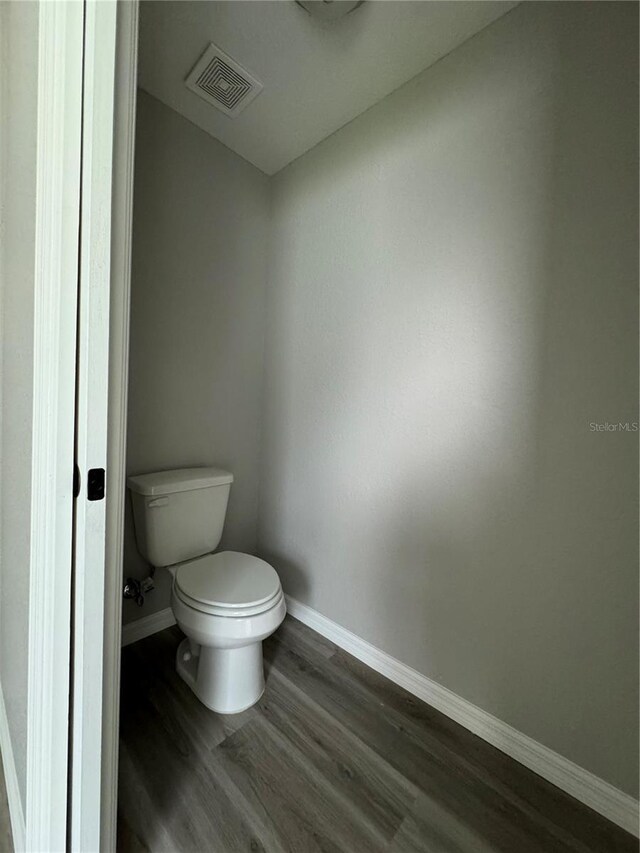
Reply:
x=227, y=681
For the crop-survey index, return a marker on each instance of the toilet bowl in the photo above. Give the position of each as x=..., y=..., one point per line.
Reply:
x=226, y=603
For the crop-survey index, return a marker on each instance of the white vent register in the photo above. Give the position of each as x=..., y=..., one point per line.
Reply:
x=222, y=82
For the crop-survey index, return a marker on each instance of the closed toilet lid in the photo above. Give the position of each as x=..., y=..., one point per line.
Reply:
x=228, y=580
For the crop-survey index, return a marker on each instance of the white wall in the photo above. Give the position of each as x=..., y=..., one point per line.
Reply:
x=197, y=319
x=452, y=302
x=18, y=99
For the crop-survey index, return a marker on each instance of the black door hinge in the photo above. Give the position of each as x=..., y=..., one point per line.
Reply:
x=76, y=481
x=95, y=484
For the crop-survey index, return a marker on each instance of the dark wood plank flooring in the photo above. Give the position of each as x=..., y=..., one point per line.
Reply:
x=333, y=758
x=6, y=836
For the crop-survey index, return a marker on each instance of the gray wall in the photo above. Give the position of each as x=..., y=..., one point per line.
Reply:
x=197, y=319
x=452, y=302
x=18, y=105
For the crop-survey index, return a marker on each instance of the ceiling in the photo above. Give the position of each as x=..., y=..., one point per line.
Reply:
x=317, y=75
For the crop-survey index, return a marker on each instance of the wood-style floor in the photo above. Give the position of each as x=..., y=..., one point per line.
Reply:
x=6, y=837
x=333, y=758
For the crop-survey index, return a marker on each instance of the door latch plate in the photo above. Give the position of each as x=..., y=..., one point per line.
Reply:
x=95, y=484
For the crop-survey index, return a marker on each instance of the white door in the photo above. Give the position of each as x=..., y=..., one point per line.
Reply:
x=55, y=288
x=76, y=62
x=92, y=371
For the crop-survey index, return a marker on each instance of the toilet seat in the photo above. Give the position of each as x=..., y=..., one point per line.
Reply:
x=240, y=612
x=228, y=584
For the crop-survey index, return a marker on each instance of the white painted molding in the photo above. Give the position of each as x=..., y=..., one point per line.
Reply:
x=141, y=628
x=16, y=812
x=589, y=789
x=92, y=370
x=121, y=239
x=60, y=46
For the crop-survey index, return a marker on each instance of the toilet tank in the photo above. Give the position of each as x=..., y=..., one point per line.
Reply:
x=179, y=514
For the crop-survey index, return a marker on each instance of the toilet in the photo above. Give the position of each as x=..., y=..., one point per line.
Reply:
x=226, y=603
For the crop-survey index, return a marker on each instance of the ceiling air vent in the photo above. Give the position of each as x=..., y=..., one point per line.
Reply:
x=220, y=81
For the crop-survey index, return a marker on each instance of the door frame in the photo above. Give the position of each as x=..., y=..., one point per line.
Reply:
x=126, y=63
x=91, y=426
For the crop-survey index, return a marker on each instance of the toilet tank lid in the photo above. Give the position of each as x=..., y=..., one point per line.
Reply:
x=178, y=480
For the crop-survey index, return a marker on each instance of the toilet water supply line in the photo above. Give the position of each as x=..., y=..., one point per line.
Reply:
x=135, y=589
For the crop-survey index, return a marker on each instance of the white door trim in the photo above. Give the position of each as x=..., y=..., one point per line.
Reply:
x=121, y=233
x=55, y=292
x=91, y=424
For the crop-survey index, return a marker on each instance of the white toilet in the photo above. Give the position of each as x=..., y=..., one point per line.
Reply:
x=226, y=603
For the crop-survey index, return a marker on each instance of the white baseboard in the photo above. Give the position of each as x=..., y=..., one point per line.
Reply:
x=141, y=628
x=16, y=813
x=594, y=792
